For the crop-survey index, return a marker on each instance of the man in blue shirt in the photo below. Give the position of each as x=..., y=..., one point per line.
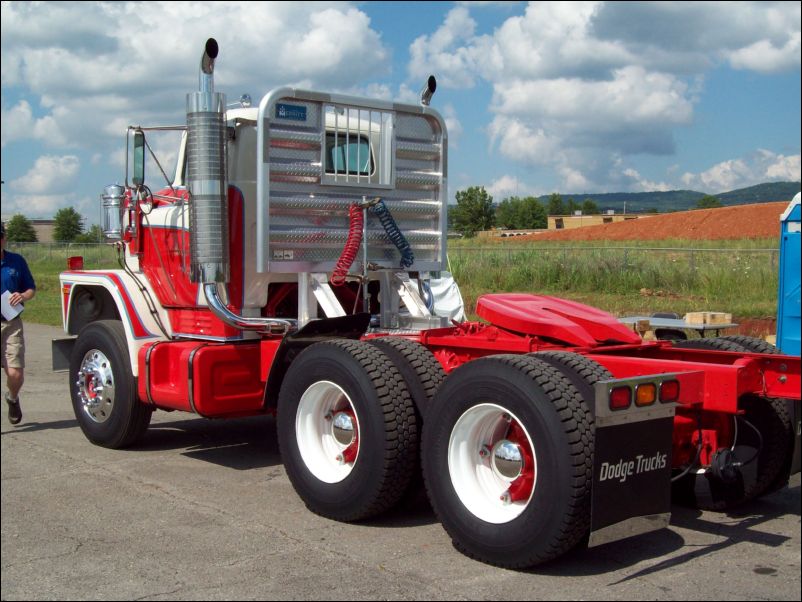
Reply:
x=18, y=281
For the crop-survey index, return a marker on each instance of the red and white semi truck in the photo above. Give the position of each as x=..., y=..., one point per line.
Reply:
x=294, y=265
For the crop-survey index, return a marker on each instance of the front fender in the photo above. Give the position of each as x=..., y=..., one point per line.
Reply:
x=114, y=295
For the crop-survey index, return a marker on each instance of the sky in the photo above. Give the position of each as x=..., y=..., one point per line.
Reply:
x=538, y=97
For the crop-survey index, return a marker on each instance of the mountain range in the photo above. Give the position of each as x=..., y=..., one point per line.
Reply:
x=682, y=200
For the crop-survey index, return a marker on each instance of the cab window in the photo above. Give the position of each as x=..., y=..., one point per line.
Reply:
x=348, y=155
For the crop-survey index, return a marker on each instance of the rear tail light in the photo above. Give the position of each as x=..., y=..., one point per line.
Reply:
x=75, y=263
x=646, y=394
x=669, y=391
x=620, y=398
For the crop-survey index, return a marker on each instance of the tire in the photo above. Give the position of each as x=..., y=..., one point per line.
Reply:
x=583, y=372
x=507, y=460
x=417, y=365
x=346, y=430
x=716, y=344
x=752, y=344
x=103, y=388
x=670, y=334
x=765, y=456
x=423, y=375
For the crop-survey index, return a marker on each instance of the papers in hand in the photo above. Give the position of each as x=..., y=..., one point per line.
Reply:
x=10, y=311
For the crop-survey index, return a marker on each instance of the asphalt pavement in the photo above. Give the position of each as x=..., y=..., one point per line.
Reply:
x=204, y=510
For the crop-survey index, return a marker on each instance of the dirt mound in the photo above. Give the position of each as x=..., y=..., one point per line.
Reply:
x=742, y=221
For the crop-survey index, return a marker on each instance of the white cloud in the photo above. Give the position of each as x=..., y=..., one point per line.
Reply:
x=760, y=167
x=765, y=57
x=643, y=184
x=631, y=96
x=783, y=168
x=50, y=174
x=89, y=83
x=507, y=186
x=449, y=52
x=17, y=122
x=580, y=86
x=45, y=206
x=453, y=125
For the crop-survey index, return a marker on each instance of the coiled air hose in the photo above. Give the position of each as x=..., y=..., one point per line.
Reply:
x=356, y=223
x=351, y=248
x=394, y=233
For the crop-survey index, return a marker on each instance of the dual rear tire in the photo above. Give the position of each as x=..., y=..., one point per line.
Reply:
x=507, y=460
x=506, y=446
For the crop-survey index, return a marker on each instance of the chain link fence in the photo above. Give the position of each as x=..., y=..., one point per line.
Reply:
x=96, y=255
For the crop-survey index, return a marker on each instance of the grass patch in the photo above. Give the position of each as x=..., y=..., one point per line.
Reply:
x=631, y=278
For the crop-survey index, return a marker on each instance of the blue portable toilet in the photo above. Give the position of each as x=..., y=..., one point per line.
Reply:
x=788, y=299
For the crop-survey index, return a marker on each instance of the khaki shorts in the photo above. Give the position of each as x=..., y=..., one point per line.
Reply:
x=13, y=344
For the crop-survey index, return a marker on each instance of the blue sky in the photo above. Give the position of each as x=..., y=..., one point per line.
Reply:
x=538, y=97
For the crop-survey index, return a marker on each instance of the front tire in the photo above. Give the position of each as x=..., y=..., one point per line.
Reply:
x=103, y=388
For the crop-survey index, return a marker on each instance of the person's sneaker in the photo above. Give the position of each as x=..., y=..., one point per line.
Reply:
x=14, y=410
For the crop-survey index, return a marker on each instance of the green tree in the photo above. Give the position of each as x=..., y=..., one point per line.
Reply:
x=506, y=214
x=708, y=202
x=20, y=229
x=68, y=225
x=556, y=206
x=589, y=207
x=474, y=211
x=523, y=214
x=93, y=235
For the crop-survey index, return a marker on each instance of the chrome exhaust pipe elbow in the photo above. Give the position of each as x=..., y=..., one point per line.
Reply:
x=428, y=91
x=206, y=75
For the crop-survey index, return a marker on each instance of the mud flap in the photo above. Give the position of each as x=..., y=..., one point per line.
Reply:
x=632, y=466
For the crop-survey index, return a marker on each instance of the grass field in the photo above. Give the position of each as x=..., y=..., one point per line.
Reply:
x=738, y=277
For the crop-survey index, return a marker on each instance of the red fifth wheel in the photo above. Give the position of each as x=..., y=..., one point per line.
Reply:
x=506, y=460
x=347, y=430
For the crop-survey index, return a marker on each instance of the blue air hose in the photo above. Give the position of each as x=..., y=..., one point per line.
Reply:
x=394, y=233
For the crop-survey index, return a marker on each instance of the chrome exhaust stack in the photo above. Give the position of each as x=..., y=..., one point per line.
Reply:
x=206, y=176
x=207, y=183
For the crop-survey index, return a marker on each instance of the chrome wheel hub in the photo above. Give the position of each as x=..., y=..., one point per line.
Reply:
x=508, y=460
x=95, y=386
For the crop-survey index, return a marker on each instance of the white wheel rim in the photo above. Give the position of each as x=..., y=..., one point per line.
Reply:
x=480, y=485
x=323, y=408
x=95, y=386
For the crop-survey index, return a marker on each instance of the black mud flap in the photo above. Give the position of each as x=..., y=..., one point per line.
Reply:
x=632, y=465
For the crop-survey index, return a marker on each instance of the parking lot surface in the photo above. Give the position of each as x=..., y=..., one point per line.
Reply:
x=204, y=510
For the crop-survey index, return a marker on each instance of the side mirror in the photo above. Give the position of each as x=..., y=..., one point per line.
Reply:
x=138, y=178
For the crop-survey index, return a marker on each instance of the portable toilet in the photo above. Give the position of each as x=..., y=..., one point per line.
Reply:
x=788, y=299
